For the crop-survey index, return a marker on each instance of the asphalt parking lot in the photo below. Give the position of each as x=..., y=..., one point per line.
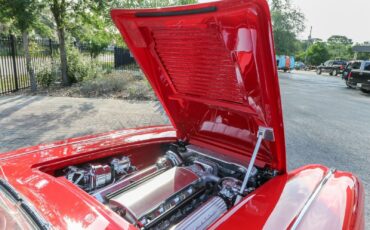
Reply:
x=325, y=122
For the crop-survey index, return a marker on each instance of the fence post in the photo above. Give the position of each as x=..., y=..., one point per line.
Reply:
x=50, y=47
x=12, y=42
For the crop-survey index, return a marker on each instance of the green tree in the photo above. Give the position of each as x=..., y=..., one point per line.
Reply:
x=24, y=16
x=339, y=39
x=340, y=47
x=59, y=9
x=287, y=22
x=317, y=53
x=93, y=26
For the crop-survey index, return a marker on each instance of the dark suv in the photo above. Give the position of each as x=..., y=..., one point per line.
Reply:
x=360, y=77
x=352, y=65
x=332, y=67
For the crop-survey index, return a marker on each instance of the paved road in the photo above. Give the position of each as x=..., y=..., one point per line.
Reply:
x=26, y=121
x=325, y=122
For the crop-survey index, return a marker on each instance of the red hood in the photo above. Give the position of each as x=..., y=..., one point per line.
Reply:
x=212, y=66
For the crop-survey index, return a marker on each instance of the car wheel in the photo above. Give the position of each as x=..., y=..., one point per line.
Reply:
x=318, y=71
x=331, y=73
x=364, y=90
x=348, y=85
x=335, y=73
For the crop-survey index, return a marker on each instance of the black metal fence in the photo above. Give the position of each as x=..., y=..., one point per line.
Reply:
x=13, y=72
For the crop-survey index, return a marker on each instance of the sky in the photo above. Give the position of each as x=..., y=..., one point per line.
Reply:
x=336, y=17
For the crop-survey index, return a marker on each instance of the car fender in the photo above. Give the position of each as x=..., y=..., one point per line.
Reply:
x=339, y=203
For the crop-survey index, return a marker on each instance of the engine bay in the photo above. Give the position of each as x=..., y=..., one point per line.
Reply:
x=186, y=187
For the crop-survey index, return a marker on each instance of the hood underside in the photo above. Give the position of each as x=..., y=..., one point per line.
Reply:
x=212, y=66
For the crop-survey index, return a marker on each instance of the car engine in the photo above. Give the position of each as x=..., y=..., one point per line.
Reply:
x=187, y=188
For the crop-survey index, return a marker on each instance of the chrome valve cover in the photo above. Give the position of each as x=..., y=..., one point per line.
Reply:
x=154, y=197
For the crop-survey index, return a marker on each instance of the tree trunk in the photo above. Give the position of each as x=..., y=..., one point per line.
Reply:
x=30, y=70
x=63, y=57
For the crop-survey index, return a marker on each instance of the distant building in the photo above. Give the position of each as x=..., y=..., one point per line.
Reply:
x=361, y=48
x=364, y=48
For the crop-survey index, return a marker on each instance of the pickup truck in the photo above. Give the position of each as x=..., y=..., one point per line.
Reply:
x=360, y=77
x=352, y=65
x=333, y=67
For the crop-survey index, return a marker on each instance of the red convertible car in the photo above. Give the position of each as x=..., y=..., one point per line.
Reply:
x=220, y=165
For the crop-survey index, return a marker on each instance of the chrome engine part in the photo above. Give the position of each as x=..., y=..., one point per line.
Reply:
x=121, y=166
x=229, y=188
x=92, y=176
x=186, y=188
x=148, y=201
x=225, y=165
x=170, y=159
x=203, y=216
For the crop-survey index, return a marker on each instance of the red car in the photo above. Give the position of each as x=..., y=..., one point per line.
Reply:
x=222, y=163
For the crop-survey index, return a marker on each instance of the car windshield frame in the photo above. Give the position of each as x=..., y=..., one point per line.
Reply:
x=20, y=213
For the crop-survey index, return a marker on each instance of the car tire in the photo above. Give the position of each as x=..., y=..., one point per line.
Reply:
x=365, y=90
x=331, y=73
x=348, y=85
x=335, y=72
x=318, y=71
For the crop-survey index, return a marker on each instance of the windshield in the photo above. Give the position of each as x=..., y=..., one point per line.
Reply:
x=354, y=65
x=339, y=63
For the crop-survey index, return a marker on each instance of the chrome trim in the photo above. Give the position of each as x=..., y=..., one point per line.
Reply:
x=312, y=198
x=215, y=156
x=203, y=216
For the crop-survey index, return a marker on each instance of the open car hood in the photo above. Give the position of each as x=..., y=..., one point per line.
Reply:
x=212, y=66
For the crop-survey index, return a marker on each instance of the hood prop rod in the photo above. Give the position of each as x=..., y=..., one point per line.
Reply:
x=266, y=134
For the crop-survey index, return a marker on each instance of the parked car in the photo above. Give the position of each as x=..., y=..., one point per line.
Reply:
x=332, y=67
x=220, y=165
x=299, y=65
x=352, y=65
x=360, y=77
x=310, y=68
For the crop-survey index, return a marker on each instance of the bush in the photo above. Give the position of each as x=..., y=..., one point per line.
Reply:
x=140, y=90
x=103, y=86
x=117, y=85
x=317, y=53
x=80, y=66
x=45, y=77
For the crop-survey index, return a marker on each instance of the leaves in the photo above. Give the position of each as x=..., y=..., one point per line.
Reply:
x=318, y=53
x=340, y=47
x=287, y=23
x=23, y=15
x=339, y=40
